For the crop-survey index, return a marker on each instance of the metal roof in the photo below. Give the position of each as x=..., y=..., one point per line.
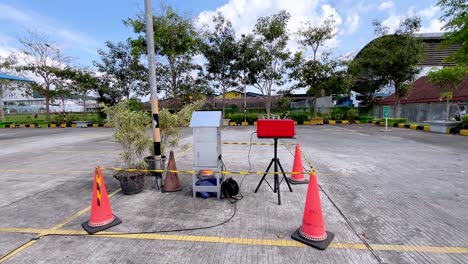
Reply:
x=206, y=119
x=4, y=76
x=423, y=91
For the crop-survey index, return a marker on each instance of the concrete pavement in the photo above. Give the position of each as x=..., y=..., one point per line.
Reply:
x=395, y=197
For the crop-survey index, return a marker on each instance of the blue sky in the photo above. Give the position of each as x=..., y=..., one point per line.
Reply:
x=79, y=28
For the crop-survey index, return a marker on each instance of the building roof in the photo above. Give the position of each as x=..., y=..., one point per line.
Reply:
x=434, y=53
x=4, y=76
x=422, y=91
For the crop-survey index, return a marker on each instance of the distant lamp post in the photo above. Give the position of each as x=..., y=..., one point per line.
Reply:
x=245, y=86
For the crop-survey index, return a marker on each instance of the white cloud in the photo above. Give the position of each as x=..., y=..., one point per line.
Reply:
x=385, y=5
x=32, y=20
x=428, y=12
x=352, y=22
x=435, y=26
x=244, y=14
x=393, y=22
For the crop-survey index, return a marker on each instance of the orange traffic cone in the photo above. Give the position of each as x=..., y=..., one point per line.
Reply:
x=312, y=232
x=298, y=178
x=172, y=183
x=101, y=212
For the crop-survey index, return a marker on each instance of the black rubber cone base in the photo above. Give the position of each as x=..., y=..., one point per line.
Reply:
x=291, y=181
x=94, y=229
x=322, y=245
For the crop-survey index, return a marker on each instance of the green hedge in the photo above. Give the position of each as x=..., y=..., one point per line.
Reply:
x=465, y=121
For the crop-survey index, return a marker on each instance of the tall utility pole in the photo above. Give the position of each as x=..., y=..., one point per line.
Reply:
x=152, y=80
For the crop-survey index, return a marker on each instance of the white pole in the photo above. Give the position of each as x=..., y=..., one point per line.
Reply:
x=152, y=81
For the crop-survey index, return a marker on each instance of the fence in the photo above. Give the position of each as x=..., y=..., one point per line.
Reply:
x=420, y=112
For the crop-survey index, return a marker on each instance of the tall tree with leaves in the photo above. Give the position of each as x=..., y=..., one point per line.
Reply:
x=42, y=57
x=393, y=58
x=448, y=80
x=314, y=72
x=176, y=42
x=122, y=70
x=79, y=82
x=456, y=18
x=272, y=54
x=221, y=53
x=315, y=36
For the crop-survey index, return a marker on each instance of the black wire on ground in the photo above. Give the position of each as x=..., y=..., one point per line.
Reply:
x=368, y=246
x=154, y=231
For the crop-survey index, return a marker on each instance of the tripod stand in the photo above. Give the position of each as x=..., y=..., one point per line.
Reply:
x=276, y=188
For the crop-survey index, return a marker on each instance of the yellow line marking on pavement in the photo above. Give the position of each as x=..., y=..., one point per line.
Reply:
x=84, y=151
x=43, y=232
x=47, y=171
x=240, y=241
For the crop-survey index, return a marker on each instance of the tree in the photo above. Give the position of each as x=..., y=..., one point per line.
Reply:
x=122, y=71
x=176, y=41
x=314, y=73
x=448, y=80
x=221, y=52
x=315, y=36
x=456, y=16
x=269, y=64
x=79, y=82
x=392, y=59
x=41, y=57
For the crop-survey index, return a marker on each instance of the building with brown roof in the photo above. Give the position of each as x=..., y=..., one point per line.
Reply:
x=423, y=102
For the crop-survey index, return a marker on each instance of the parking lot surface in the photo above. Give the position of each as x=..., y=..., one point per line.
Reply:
x=389, y=197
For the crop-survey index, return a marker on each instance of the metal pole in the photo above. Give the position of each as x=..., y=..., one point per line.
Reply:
x=152, y=80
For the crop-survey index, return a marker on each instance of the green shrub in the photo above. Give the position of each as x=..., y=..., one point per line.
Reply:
x=465, y=121
x=236, y=117
x=299, y=117
x=365, y=119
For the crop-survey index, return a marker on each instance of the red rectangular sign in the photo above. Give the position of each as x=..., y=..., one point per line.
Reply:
x=275, y=128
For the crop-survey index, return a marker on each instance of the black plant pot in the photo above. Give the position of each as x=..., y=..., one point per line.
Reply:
x=152, y=165
x=131, y=182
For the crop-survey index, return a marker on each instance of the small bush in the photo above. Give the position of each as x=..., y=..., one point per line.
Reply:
x=465, y=121
x=299, y=117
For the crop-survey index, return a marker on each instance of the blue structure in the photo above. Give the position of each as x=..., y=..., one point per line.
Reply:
x=4, y=76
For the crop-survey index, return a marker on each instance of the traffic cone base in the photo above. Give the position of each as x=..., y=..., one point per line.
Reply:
x=292, y=181
x=318, y=244
x=91, y=229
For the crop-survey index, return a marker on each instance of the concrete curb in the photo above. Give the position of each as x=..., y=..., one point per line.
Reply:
x=55, y=125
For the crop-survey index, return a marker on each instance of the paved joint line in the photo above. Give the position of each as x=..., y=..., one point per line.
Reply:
x=44, y=232
x=238, y=240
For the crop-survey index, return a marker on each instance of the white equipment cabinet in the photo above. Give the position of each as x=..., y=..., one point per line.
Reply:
x=206, y=127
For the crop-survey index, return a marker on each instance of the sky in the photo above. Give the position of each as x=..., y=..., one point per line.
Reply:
x=80, y=28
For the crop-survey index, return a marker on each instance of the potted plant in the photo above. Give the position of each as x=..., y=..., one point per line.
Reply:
x=170, y=126
x=130, y=132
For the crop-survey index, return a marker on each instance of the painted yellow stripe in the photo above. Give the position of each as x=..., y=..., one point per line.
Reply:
x=48, y=171
x=242, y=241
x=42, y=232
x=16, y=251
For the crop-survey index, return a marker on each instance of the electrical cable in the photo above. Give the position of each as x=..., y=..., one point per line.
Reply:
x=368, y=246
x=156, y=231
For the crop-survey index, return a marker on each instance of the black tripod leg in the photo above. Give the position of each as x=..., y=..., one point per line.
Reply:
x=278, y=188
x=264, y=175
x=284, y=175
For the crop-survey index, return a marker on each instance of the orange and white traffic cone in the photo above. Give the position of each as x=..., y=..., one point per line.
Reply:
x=298, y=176
x=101, y=212
x=172, y=183
x=312, y=232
